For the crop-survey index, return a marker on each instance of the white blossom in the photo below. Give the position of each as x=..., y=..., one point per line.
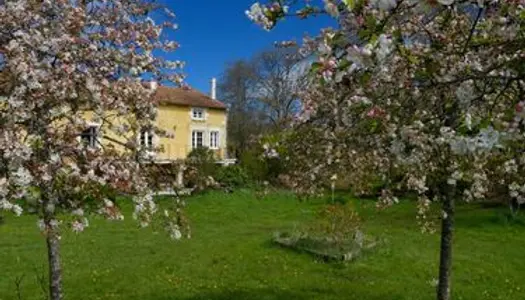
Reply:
x=465, y=94
x=384, y=47
x=510, y=166
x=41, y=225
x=446, y=2
x=108, y=203
x=488, y=138
x=145, y=207
x=257, y=14
x=174, y=231
x=384, y=4
x=468, y=121
x=17, y=209
x=331, y=7
x=22, y=177
x=417, y=184
x=51, y=61
x=79, y=226
x=78, y=212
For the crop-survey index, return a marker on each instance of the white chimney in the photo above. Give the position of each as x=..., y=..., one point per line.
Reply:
x=213, y=93
x=153, y=85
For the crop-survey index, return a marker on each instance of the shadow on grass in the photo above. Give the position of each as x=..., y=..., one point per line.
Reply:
x=263, y=294
x=270, y=294
x=489, y=218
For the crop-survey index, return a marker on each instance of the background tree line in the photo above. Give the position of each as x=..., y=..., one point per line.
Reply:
x=262, y=95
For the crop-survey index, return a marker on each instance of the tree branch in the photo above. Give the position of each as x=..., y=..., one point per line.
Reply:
x=471, y=33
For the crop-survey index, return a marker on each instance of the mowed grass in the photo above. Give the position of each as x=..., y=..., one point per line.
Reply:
x=230, y=256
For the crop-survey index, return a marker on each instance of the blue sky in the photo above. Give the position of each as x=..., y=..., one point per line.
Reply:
x=214, y=32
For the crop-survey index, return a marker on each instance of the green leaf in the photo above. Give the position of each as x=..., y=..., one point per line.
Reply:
x=349, y=3
x=432, y=66
x=364, y=34
x=398, y=36
x=365, y=78
x=373, y=125
x=315, y=67
x=413, y=59
x=344, y=63
x=339, y=40
x=373, y=38
x=484, y=123
x=370, y=22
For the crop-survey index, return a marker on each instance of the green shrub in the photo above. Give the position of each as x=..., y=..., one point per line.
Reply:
x=204, y=159
x=256, y=168
x=201, y=167
x=261, y=168
x=338, y=222
x=232, y=176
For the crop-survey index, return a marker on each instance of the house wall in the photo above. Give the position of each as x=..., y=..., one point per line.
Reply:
x=178, y=120
x=105, y=133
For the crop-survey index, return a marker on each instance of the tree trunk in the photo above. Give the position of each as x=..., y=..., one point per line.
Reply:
x=55, y=271
x=514, y=207
x=445, y=262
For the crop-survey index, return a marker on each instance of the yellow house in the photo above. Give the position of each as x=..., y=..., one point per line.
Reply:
x=194, y=119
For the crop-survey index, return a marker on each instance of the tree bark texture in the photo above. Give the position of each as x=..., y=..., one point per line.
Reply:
x=55, y=270
x=445, y=262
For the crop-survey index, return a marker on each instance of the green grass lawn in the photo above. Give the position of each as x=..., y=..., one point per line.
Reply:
x=230, y=256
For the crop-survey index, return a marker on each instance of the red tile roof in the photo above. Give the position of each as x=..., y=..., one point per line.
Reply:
x=186, y=97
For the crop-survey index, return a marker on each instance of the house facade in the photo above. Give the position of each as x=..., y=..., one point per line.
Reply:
x=192, y=118
x=195, y=119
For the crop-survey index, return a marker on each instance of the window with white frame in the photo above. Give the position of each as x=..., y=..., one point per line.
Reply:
x=197, y=139
x=89, y=137
x=214, y=139
x=197, y=113
x=146, y=138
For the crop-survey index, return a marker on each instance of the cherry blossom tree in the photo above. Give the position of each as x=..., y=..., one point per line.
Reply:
x=67, y=66
x=426, y=95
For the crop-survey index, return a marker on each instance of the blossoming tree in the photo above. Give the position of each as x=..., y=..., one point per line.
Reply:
x=426, y=95
x=59, y=62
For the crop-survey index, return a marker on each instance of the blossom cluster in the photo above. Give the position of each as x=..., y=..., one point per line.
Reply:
x=79, y=65
x=419, y=95
x=266, y=15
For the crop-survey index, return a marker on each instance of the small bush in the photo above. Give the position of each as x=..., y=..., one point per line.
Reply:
x=232, y=176
x=334, y=235
x=261, y=168
x=337, y=222
x=204, y=159
x=201, y=168
x=255, y=167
